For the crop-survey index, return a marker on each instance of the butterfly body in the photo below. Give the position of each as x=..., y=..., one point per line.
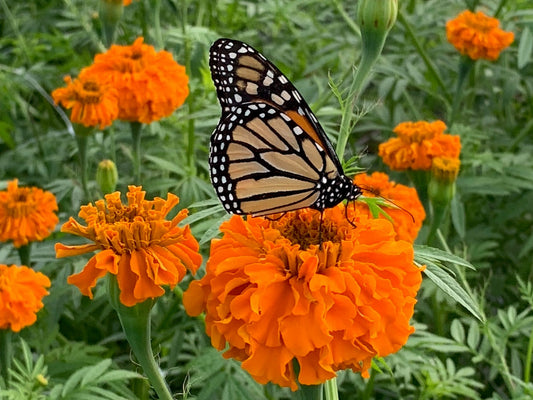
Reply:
x=268, y=153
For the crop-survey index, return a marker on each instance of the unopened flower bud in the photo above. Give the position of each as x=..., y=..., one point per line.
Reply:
x=376, y=17
x=441, y=187
x=107, y=176
x=110, y=13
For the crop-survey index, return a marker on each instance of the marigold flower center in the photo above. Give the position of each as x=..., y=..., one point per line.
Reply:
x=307, y=230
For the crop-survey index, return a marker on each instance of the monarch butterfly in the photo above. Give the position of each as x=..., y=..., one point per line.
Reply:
x=268, y=153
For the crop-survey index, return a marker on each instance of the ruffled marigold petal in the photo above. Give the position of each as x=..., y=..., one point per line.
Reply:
x=272, y=295
x=143, y=249
x=21, y=293
x=27, y=214
x=478, y=35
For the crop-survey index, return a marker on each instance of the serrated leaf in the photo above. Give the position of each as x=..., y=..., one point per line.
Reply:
x=118, y=375
x=449, y=286
x=473, y=337
x=92, y=373
x=457, y=331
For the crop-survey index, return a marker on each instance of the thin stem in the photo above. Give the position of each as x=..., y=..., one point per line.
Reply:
x=465, y=66
x=136, y=139
x=529, y=360
x=330, y=388
x=81, y=141
x=157, y=23
x=136, y=322
x=427, y=60
x=25, y=254
x=499, y=9
x=369, y=387
x=5, y=353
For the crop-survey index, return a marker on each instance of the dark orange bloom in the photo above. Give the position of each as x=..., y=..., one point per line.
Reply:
x=93, y=102
x=151, y=84
x=407, y=222
x=21, y=293
x=27, y=214
x=137, y=243
x=273, y=295
x=478, y=35
x=417, y=144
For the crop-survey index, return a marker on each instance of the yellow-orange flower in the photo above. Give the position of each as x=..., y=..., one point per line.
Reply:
x=27, y=214
x=137, y=243
x=407, y=222
x=151, y=84
x=21, y=293
x=93, y=102
x=273, y=295
x=478, y=35
x=417, y=144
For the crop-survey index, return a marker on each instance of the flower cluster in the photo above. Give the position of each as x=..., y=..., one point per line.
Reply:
x=27, y=214
x=408, y=218
x=324, y=294
x=151, y=86
x=477, y=35
x=417, y=144
x=21, y=293
x=137, y=243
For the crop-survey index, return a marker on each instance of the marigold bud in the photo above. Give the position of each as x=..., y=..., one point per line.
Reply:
x=107, y=176
x=110, y=13
x=441, y=187
x=376, y=16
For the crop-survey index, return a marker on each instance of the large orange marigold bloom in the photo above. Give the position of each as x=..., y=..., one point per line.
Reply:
x=21, y=293
x=407, y=222
x=417, y=144
x=27, y=214
x=137, y=244
x=151, y=84
x=273, y=295
x=93, y=102
x=478, y=35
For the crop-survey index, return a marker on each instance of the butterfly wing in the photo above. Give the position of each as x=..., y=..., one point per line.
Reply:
x=242, y=75
x=262, y=162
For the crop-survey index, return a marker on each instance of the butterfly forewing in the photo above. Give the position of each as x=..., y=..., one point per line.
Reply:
x=242, y=75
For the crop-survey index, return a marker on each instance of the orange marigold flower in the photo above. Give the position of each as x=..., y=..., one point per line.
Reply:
x=273, y=295
x=407, y=222
x=93, y=102
x=137, y=243
x=417, y=144
x=27, y=214
x=21, y=293
x=151, y=84
x=478, y=35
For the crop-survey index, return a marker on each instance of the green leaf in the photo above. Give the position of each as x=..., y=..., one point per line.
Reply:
x=427, y=253
x=525, y=48
x=449, y=286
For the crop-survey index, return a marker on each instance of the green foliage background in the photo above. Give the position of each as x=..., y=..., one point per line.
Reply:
x=77, y=344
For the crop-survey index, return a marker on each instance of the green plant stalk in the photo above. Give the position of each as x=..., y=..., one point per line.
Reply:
x=81, y=141
x=465, y=66
x=136, y=128
x=499, y=8
x=369, y=387
x=429, y=64
x=5, y=353
x=438, y=216
x=330, y=388
x=25, y=255
x=135, y=322
x=420, y=180
x=309, y=392
x=156, y=5
x=529, y=359
x=371, y=51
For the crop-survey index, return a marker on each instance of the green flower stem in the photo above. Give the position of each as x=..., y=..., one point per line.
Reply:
x=136, y=128
x=5, y=353
x=330, y=387
x=81, y=141
x=420, y=180
x=136, y=325
x=529, y=359
x=425, y=57
x=499, y=8
x=25, y=255
x=465, y=66
x=110, y=14
x=439, y=215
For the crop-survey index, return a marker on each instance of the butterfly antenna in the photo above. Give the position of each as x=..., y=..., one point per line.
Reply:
x=387, y=200
x=346, y=213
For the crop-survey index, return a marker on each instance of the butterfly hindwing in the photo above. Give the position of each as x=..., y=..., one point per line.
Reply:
x=262, y=162
x=242, y=75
